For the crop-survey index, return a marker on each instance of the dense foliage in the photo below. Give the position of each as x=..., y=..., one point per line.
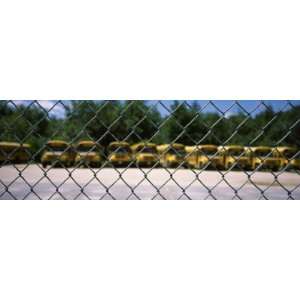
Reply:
x=136, y=121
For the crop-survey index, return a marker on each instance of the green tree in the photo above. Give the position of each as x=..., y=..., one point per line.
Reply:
x=28, y=124
x=96, y=120
x=242, y=129
x=141, y=121
x=185, y=125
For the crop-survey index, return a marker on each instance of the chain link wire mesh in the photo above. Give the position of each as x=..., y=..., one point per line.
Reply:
x=214, y=149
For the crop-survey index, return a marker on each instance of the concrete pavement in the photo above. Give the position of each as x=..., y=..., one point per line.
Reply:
x=109, y=183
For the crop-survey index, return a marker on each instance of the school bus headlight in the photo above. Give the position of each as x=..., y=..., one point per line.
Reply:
x=95, y=158
x=64, y=157
x=172, y=158
x=48, y=156
x=113, y=157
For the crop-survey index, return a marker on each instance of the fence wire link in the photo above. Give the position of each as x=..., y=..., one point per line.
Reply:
x=266, y=166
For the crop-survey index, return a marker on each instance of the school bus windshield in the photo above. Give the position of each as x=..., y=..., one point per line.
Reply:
x=291, y=154
x=86, y=148
x=6, y=151
x=208, y=151
x=235, y=152
x=262, y=152
x=147, y=150
x=120, y=150
x=178, y=152
x=57, y=147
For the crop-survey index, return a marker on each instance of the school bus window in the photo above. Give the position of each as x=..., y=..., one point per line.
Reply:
x=291, y=154
x=5, y=151
x=86, y=148
x=148, y=150
x=122, y=150
x=208, y=151
x=262, y=152
x=57, y=147
x=179, y=153
x=235, y=152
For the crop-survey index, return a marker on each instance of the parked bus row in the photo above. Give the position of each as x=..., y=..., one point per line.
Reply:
x=247, y=158
x=14, y=152
x=90, y=153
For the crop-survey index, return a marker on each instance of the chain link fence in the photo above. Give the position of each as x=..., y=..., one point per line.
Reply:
x=149, y=149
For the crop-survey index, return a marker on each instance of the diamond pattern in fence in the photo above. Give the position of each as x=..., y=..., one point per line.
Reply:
x=149, y=149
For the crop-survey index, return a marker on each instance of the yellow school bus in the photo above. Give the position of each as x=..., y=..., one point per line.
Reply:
x=88, y=153
x=207, y=156
x=119, y=153
x=191, y=158
x=290, y=156
x=171, y=155
x=23, y=154
x=236, y=156
x=144, y=154
x=58, y=153
x=8, y=152
x=14, y=152
x=263, y=157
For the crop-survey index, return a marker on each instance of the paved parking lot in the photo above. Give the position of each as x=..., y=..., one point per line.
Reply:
x=135, y=183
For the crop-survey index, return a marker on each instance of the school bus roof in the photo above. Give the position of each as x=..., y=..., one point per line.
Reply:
x=57, y=143
x=13, y=145
x=190, y=148
x=232, y=147
x=87, y=143
x=200, y=147
x=25, y=146
x=207, y=146
x=118, y=144
x=143, y=145
x=260, y=148
x=284, y=148
x=164, y=147
x=9, y=144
